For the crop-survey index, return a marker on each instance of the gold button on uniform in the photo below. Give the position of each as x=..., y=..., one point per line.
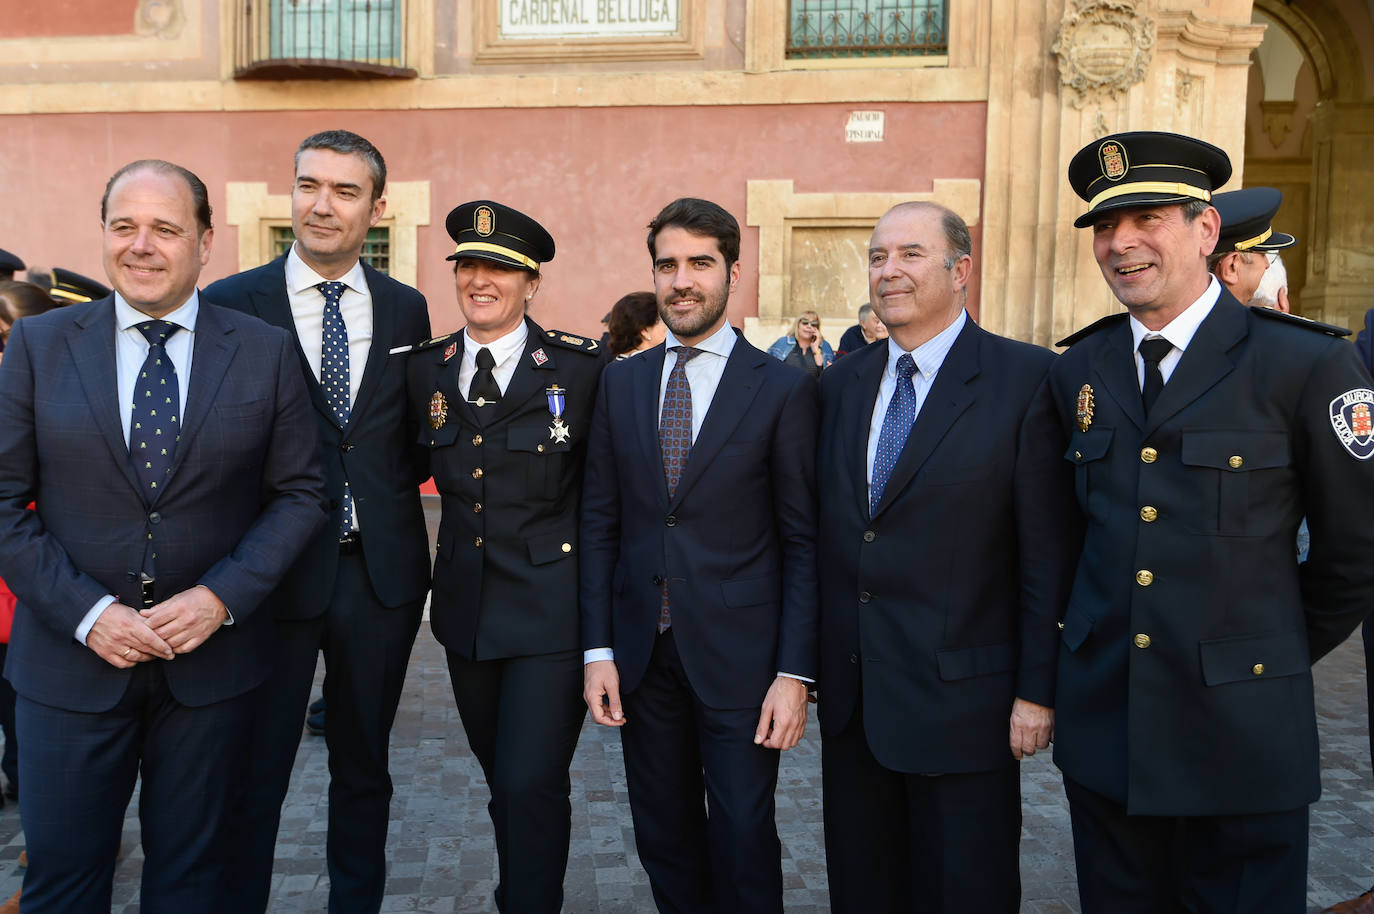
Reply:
x=477, y=473
x=567, y=547
x=1148, y=514
x=1077, y=455
x=540, y=448
x=1257, y=669
x=1142, y=641
x=476, y=440
x=1148, y=455
x=1236, y=462
x=476, y=507
x=477, y=541
x=1144, y=577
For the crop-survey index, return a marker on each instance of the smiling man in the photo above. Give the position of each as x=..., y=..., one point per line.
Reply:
x=1200, y=432
x=358, y=591
x=699, y=576
x=166, y=443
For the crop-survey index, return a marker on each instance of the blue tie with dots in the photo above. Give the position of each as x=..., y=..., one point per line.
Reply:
x=675, y=440
x=154, y=421
x=901, y=415
x=334, y=374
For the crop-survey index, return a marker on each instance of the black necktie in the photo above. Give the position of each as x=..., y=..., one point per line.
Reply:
x=1153, y=351
x=484, y=389
x=154, y=425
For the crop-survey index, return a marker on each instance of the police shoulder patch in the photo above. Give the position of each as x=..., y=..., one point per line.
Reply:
x=1352, y=419
x=569, y=341
x=1298, y=320
x=1110, y=320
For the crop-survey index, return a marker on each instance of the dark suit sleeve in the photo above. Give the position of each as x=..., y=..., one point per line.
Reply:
x=417, y=327
x=599, y=535
x=1338, y=576
x=795, y=509
x=1049, y=538
x=292, y=494
x=36, y=567
x=1364, y=342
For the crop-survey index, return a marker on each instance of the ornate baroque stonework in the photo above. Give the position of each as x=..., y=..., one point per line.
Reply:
x=1104, y=47
x=159, y=18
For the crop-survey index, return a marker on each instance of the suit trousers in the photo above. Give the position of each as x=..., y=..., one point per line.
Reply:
x=77, y=774
x=522, y=716
x=899, y=843
x=701, y=796
x=366, y=649
x=1195, y=864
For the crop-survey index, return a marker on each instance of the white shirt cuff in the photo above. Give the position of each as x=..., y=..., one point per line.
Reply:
x=88, y=620
x=794, y=676
x=597, y=653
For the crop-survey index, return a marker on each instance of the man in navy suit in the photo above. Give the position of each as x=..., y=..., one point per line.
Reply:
x=359, y=588
x=698, y=586
x=948, y=556
x=157, y=534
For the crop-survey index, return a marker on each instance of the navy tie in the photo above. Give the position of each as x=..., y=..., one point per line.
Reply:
x=334, y=374
x=1153, y=351
x=154, y=424
x=675, y=440
x=901, y=415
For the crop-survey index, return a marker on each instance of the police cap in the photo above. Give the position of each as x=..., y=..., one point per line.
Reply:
x=487, y=230
x=1145, y=168
x=69, y=287
x=10, y=264
x=1245, y=218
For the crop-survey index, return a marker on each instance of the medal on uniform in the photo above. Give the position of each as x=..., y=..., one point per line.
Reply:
x=557, y=400
x=1085, y=407
x=438, y=410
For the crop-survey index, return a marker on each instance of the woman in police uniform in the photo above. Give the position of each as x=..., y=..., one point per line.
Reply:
x=506, y=406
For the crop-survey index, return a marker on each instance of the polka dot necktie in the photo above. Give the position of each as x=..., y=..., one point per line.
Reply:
x=334, y=373
x=901, y=415
x=675, y=439
x=154, y=426
x=1153, y=352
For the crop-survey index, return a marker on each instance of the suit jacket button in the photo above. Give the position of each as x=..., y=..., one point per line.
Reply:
x=1148, y=514
x=671, y=520
x=865, y=597
x=476, y=440
x=657, y=580
x=477, y=473
x=1144, y=577
x=869, y=536
x=346, y=446
x=853, y=658
x=476, y=507
x=566, y=547
x=1142, y=641
x=154, y=518
x=1236, y=462
x=1257, y=669
x=1148, y=455
x=477, y=541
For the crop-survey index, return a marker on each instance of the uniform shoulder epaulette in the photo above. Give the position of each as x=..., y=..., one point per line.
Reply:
x=429, y=344
x=1110, y=320
x=569, y=341
x=1300, y=321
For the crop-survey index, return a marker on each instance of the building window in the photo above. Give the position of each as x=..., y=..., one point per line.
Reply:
x=866, y=28
x=296, y=38
x=376, y=247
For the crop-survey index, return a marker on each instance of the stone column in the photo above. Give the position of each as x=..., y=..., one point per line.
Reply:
x=1340, y=261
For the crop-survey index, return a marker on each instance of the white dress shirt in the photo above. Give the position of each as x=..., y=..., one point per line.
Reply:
x=928, y=356
x=307, y=311
x=504, y=350
x=1179, y=331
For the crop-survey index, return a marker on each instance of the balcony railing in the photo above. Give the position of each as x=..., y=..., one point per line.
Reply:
x=866, y=28
x=319, y=39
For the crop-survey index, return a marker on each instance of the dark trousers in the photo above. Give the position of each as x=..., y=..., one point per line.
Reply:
x=1196, y=864
x=898, y=843
x=366, y=651
x=77, y=773
x=701, y=796
x=9, y=761
x=522, y=716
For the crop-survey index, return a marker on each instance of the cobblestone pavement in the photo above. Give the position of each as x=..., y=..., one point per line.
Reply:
x=440, y=840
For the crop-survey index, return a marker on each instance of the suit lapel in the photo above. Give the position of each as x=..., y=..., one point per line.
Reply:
x=860, y=396
x=92, y=348
x=527, y=381
x=212, y=351
x=273, y=305
x=951, y=394
x=383, y=329
x=739, y=384
x=1204, y=362
x=646, y=378
x=1115, y=369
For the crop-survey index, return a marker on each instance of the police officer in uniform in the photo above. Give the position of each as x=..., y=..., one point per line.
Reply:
x=1199, y=432
x=505, y=408
x=1248, y=243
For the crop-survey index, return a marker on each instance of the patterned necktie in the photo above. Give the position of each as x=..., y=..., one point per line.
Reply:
x=334, y=374
x=484, y=388
x=901, y=415
x=154, y=426
x=1153, y=352
x=675, y=440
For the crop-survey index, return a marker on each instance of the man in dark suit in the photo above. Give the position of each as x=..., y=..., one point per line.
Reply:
x=948, y=557
x=507, y=405
x=698, y=576
x=157, y=535
x=358, y=590
x=1201, y=432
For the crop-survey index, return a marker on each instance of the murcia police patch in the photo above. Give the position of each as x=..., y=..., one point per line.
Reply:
x=1084, y=410
x=1352, y=418
x=1112, y=156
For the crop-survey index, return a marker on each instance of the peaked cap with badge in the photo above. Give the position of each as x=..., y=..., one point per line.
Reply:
x=1245, y=221
x=70, y=287
x=486, y=230
x=1145, y=168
